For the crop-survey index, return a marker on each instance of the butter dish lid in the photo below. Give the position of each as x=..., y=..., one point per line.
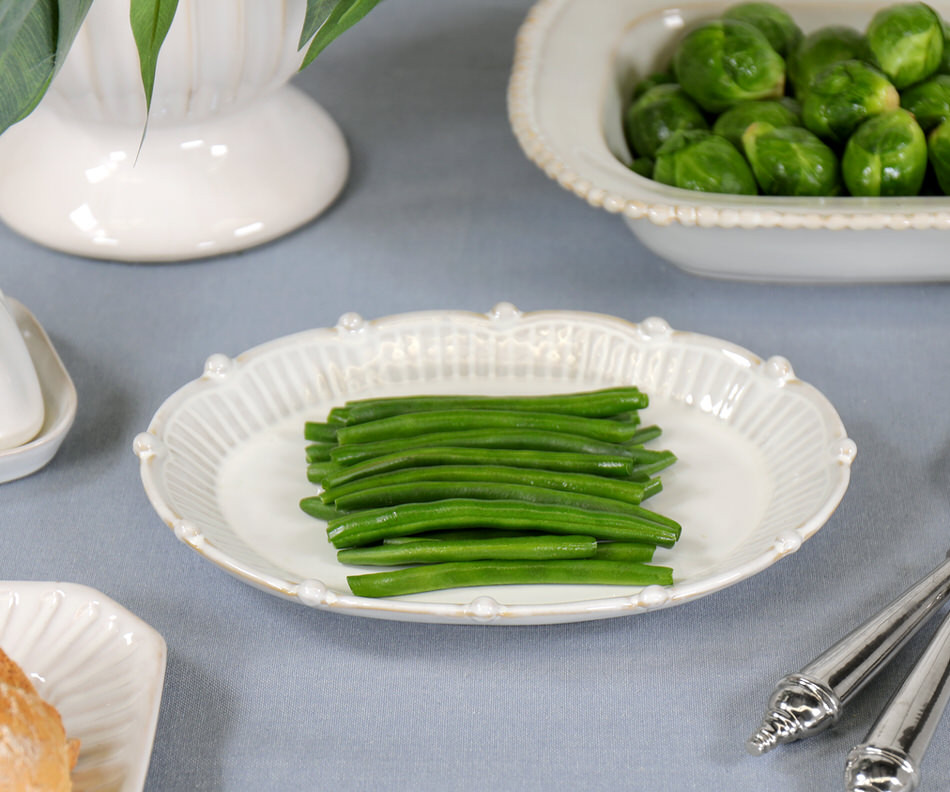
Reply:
x=21, y=401
x=56, y=411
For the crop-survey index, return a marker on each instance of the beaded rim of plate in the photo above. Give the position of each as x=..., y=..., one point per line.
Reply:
x=687, y=210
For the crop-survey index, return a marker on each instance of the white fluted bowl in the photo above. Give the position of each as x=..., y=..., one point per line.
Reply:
x=101, y=666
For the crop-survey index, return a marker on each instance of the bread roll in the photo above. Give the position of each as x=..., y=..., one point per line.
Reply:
x=35, y=755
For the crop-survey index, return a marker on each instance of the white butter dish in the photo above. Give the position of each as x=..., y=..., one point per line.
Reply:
x=21, y=402
x=59, y=400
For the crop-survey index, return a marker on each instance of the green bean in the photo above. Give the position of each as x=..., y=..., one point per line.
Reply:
x=661, y=461
x=429, y=491
x=522, y=439
x=492, y=573
x=317, y=508
x=606, y=551
x=319, y=432
x=628, y=491
x=461, y=533
x=372, y=525
x=629, y=419
x=625, y=551
x=591, y=404
x=644, y=435
x=428, y=551
x=318, y=471
x=624, y=417
x=592, y=464
x=642, y=457
x=319, y=452
x=413, y=424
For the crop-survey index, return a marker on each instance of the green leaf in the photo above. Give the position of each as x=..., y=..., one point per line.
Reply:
x=13, y=14
x=150, y=20
x=344, y=15
x=35, y=38
x=318, y=11
x=71, y=15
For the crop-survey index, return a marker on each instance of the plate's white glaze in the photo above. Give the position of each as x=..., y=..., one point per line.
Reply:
x=102, y=667
x=574, y=67
x=59, y=400
x=764, y=458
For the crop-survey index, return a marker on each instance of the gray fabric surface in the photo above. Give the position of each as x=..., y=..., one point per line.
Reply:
x=443, y=211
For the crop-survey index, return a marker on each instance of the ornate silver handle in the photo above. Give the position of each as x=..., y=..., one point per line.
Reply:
x=810, y=701
x=889, y=758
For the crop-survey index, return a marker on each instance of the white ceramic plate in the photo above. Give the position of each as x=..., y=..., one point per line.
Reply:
x=763, y=457
x=102, y=667
x=59, y=400
x=574, y=68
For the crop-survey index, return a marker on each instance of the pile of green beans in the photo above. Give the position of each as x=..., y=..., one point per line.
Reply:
x=479, y=490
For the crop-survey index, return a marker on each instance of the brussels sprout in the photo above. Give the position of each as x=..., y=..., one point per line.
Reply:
x=725, y=61
x=929, y=101
x=938, y=149
x=906, y=42
x=790, y=161
x=819, y=50
x=776, y=23
x=944, y=67
x=642, y=166
x=887, y=155
x=658, y=114
x=651, y=81
x=842, y=96
x=699, y=160
x=777, y=112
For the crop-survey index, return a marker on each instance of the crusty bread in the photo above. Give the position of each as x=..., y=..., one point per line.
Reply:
x=12, y=674
x=35, y=755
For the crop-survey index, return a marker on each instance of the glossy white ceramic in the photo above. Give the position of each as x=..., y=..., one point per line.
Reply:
x=21, y=402
x=59, y=400
x=763, y=457
x=101, y=666
x=575, y=64
x=233, y=156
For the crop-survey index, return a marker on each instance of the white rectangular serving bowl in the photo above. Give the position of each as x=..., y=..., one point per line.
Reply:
x=575, y=64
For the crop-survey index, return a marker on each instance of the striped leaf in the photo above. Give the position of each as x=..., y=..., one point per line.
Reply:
x=318, y=11
x=327, y=19
x=150, y=20
x=35, y=37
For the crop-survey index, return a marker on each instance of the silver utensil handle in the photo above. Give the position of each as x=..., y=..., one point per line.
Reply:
x=848, y=665
x=890, y=756
x=808, y=702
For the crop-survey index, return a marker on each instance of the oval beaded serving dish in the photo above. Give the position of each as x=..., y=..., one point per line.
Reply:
x=763, y=457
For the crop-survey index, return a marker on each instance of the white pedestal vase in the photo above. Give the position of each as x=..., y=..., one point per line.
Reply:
x=233, y=156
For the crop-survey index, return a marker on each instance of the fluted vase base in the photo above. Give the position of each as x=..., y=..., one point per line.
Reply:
x=219, y=185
